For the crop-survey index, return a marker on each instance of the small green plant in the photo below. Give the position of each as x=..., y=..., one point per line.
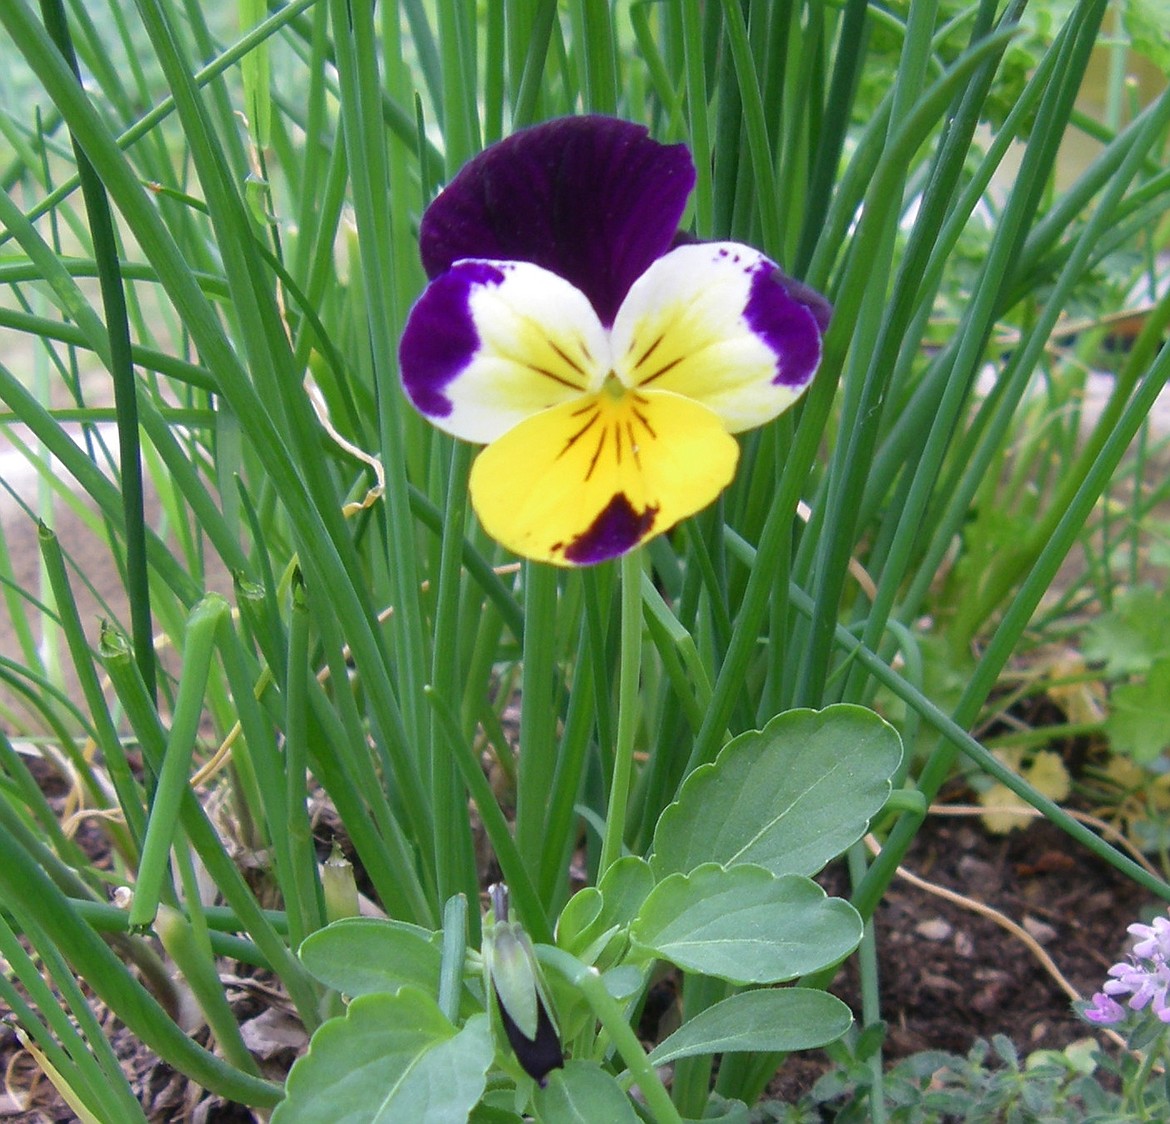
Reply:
x=1132, y=641
x=724, y=895
x=990, y=1084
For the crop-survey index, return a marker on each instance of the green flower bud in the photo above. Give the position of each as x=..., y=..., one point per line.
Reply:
x=512, y=974
x=339, y=886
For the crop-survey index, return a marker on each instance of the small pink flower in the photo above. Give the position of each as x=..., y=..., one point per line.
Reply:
x=1154, y=939
x=1104, y=1010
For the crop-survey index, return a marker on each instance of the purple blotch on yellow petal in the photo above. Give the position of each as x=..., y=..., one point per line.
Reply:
x=790, y=318
x=593, y=199
x=440, y=338
x=615, y=530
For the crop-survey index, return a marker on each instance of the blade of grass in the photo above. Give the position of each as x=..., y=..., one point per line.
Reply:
x=199, y=970
x=130, y=797
x=534, y=36
x=80, y=1050
x=630, y=664
x=303, y=887
x=508, y=855
x=818, y=401
x=121, y=369
x=361, y=122
x=202, y=836
x=538, y=709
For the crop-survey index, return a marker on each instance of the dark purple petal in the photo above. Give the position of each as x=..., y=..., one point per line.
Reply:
x=790, y=318
x=618, y=528
x=440, y=337
x=593, y=199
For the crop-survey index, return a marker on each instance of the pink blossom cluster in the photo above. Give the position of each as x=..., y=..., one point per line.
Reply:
x=1144, y=977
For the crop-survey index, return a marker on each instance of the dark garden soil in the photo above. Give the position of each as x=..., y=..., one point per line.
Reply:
x=948, y=975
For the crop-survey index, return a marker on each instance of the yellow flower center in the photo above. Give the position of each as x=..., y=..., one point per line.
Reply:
x=614, y=387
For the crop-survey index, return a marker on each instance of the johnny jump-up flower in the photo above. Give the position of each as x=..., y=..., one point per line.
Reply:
x=603, y=358
x=1145, y=977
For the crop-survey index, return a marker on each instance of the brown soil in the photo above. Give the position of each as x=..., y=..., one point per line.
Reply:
x=949, y=976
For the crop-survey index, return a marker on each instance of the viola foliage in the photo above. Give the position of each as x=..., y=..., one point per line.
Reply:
x=734, y=922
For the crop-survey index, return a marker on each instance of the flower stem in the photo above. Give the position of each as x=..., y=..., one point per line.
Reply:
x=1135, y=1092
x=609, y=1013
x=631, y=666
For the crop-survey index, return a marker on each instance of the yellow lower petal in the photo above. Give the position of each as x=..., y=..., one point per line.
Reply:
x=591, y=479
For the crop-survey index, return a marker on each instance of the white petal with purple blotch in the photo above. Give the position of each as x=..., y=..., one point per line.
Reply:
x=718, y=323
x=490, y=343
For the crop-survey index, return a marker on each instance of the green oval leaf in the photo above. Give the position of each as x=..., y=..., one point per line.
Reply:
x=778, y=1019
x=582, y=1093
x=789, y=797
x=1139, y=715
x=595, y=932
x=391, y=1058
x=745, y=924
x=580, y=911
x=367, y=955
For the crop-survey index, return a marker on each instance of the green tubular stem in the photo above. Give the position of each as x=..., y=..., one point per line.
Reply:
x=528, y=93
x=82, y=1046
x=820, y=397
x=454, y=852
x=174, y=776
x=538, y=715
x=202, y=835
x=166, y=107
x=507, y=854
x=454, y=955
x=44, y=328
x=630, y=664
x=755, y=124
x=179, y=939
x=692, y=1076
x=361, y=123
x=304, y=890
x=97, y=206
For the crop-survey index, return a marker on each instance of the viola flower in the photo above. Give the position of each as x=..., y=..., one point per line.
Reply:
x=603, y=358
